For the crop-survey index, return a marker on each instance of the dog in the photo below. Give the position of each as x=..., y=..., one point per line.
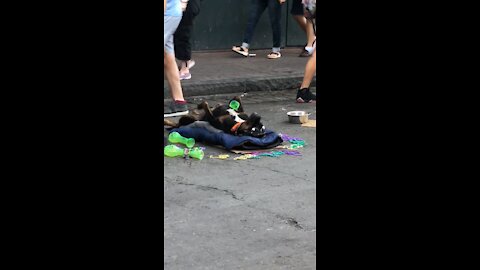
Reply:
x=225, y=118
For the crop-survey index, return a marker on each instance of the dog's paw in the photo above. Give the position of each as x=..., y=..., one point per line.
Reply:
x=203, y=105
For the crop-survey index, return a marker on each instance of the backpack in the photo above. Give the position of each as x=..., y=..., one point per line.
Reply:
x=310, y=8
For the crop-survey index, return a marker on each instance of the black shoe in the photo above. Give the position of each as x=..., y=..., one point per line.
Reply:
x=173, y=109
x=305, y=96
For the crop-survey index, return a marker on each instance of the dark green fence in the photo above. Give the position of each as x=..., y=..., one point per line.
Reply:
x=221, y=24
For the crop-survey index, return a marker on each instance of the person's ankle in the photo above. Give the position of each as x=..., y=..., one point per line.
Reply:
x=180, y=101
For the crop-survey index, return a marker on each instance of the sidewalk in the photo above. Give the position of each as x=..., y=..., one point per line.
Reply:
x=228, y=72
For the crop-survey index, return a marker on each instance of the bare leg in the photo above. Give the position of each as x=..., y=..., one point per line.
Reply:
x=302, y=22
x=310, y=70
x=307, y=27
x=310, y=33
x=173, y=77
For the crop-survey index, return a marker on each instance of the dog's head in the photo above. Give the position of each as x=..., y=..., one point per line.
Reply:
x=252, y=127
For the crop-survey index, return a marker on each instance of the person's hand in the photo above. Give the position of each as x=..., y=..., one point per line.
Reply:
x=183, y=4
x=281, y=1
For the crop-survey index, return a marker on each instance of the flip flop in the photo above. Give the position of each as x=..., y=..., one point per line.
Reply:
x=240, y=50
x=274, y=55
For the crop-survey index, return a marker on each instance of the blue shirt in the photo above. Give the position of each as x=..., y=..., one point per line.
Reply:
x=174, y=9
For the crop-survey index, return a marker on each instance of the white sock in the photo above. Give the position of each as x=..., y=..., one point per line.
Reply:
x=309, y=49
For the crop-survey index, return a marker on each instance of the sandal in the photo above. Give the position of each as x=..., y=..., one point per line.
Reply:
x=240, y=50
x=274, y=55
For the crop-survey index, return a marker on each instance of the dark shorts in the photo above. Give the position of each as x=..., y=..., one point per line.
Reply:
x=297, y=7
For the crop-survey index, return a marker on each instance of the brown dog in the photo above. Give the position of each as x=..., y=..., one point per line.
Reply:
x=224, y=118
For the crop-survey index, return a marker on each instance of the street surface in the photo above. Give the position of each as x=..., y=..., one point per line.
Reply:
x=244, y=214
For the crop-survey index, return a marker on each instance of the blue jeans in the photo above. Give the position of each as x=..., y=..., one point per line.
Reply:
x=257, y=7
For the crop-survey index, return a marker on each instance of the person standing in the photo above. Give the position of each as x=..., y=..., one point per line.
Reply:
x=257, y=7
x=303, y=94
x=182, y=38
x=306, y=25
x=171, y=20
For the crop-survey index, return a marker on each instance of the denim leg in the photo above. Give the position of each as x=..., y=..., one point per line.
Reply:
x=275, y=14
x=256, y=9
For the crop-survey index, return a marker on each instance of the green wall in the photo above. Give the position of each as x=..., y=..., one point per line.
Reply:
x=221, y=24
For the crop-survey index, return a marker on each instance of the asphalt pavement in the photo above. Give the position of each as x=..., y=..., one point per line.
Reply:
x=244, y=214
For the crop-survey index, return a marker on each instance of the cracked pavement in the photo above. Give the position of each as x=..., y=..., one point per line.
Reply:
x=244, y=214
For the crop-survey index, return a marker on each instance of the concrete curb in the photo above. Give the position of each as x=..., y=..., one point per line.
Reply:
x=218, y=87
